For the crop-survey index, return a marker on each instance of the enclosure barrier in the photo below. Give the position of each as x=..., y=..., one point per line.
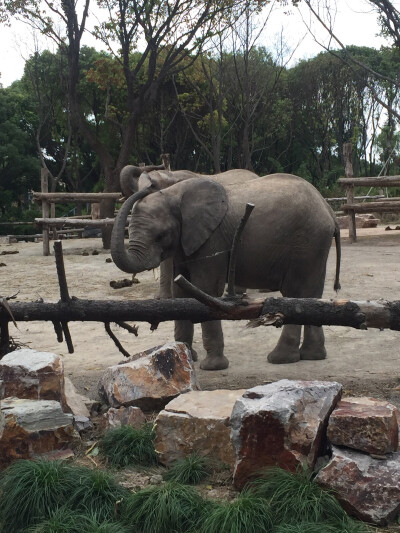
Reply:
x=388, y=205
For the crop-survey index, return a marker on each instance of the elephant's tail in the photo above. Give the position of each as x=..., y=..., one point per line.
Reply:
x=336, y=234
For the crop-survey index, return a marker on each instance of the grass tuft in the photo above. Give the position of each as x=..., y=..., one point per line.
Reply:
x=96, y=493
x=65, y=520
x=127, y=445
x=247, y=513
x=296, y=498
x=189, y=470
x=32, y=491
x=166, y=508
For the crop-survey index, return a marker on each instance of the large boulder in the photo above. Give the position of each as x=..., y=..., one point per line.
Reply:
x=196, y=422
x=365, y=424
x=281, y=424
x=367, y=488
x=151, y=379
x=33, y=375
x=29, y=428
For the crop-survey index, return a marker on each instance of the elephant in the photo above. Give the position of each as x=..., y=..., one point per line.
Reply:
x=134, y=179
x=284, y=247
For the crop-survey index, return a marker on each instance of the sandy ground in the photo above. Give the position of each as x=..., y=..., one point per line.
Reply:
x=365, y=362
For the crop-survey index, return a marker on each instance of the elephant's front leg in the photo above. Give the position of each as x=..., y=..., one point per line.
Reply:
x=213, y=342
x=184, y=333
x=287, y=349
x=313, y=347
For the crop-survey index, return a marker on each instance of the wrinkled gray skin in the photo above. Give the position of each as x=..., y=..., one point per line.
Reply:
x=134, y=179
x=284, y=247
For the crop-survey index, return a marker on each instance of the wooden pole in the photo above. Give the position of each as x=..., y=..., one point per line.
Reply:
x=348, y=172
x=44, y=186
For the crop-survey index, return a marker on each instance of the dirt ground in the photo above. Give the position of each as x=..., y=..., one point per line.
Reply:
x=365, y=362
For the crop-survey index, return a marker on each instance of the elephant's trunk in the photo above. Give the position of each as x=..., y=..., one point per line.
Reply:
x=123, y=259
x=130, y=175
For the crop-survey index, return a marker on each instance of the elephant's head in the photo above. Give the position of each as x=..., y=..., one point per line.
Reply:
x=183, y=215
x=129, y=178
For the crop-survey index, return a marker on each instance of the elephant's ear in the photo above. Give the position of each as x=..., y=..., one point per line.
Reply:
x=203, y=206
x=144, y=181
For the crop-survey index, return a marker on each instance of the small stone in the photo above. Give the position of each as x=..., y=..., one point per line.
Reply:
x=367, y=488
x=109, y=260
x=75, y=402
x=82, y=423
x=281, y=424
x=95, y=252
x=157, y=479
x=85, y=253
x=29, y=428
x=33, y=375
x=152, y=379
x=365, y=424
x=123, y=416
x=196, y=422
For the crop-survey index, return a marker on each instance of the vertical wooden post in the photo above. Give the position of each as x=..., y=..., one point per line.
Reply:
x=44, y=182
x=348, y=172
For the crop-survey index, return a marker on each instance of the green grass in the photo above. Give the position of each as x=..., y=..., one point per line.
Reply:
x=32, y=491
x=189, y=470
x=127, y=445
x=346, y=526
x=295, y=497
x=167, y=508
x=96, y=493
x=65, y=520
x=247, y=513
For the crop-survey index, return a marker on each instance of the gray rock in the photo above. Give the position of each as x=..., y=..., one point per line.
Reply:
x=32, y=427
x=367, y=488
x=152, y=379
x=281, y=424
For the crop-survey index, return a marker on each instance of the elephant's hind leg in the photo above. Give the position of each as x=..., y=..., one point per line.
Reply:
x=287, y=349
x=313, y=347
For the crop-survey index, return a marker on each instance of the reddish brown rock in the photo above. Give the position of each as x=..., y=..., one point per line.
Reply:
x=29, y=428
x=151, y=379
x=367, y=488
x=75, y=402
x=366, y=220
x=123, y=416
x=33, y=375
x=197, y=422
x=365, y=424
x=281, y=424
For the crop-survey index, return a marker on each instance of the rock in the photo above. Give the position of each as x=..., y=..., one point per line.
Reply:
x=123, y=416
x=365, y=424
x=365, y=220
x=33, y=375
x=152, y=379
x=82, y=423
x=29, y=428
x=75, y=402
x=281, y=424
x=196, y=422
x=367, y=488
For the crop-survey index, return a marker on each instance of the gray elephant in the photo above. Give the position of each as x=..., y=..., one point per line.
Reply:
x=134, y=179
x=285, y=246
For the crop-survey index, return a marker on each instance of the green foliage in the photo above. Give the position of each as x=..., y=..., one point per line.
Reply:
x=31, y=491
x=129, y=446
x=346, y=526
x=295, y=497
x=166, y=508
x=248, y=512
x=96, y=492
x=189, y=470
x=65, y=520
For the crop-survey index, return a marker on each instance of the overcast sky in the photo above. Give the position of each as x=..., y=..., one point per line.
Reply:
x=355, y=23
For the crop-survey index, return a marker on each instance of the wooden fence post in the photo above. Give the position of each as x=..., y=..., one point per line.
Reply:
x=348, y=172
x=44, y=182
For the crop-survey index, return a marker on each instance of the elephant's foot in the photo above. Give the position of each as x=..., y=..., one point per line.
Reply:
x=281, y=355
x=214, y=363
x=312, y=354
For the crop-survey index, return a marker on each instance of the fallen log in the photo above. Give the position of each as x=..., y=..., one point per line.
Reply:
x=271, y=311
